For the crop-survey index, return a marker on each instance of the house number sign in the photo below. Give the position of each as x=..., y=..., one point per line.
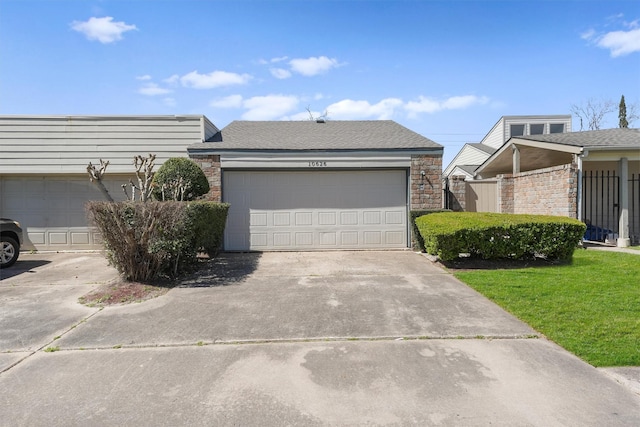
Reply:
x=317, y=164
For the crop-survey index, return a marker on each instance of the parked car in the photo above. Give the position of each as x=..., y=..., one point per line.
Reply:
x=10, y=242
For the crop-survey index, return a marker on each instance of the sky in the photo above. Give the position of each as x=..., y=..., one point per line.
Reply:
x=447, y=70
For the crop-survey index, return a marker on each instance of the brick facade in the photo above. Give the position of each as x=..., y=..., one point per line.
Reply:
x=426, y=191
x=210, y=164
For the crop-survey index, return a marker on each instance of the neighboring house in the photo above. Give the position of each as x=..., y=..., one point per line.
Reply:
x=322, y=185
x=472, y=155
x=593, y=176
x=43, y=161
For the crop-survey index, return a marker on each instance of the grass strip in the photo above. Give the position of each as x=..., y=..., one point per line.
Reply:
x=590, y=307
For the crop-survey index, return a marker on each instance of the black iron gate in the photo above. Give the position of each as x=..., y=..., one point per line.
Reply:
x=600, y=204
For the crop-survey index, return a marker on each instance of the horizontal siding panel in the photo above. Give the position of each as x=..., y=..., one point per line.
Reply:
x=72, y=156
x=133, y=121
x=67, y=149
x=148, y=135
x=68, y=144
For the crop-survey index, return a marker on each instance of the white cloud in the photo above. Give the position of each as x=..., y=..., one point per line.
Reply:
x=231, y=101
x=280, y=73
x=349, y=109
x=279, y=59
x=313, y=65
x=102, y=29
x=214, y=79
x=169, y=102
x=620, y=43
x=152, y=89
x=174, y=79
x=269, y=107
x=429, y=105
x=143, y=78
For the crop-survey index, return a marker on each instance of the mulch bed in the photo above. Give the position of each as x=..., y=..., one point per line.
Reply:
x=122, y=292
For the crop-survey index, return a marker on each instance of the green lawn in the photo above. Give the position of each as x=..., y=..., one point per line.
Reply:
x=590, y=307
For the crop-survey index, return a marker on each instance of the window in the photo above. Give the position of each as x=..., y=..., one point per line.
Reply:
x=556, y=128
x=517, y=130
x=537, y=129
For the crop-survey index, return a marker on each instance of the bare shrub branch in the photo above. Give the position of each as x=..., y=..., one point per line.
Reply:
x=95, y=176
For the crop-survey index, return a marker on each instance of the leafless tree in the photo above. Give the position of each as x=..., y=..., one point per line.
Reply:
x=592, y=112
x=313, y=118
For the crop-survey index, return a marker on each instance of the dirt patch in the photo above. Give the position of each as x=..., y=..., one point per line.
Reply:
x=122, y=292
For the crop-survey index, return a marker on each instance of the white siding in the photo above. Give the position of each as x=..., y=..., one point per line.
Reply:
x=65, y=144
x=501, y=131
x=495, y=137
x=469, y=155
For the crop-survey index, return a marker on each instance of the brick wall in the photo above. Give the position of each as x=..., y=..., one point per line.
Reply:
x=549, y=191
x=210, y=164
x=505, y=193
x=457, y=193
x=426, y=192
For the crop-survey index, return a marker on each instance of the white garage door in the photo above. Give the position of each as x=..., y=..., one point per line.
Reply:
x=51, y=210
x=315, y=210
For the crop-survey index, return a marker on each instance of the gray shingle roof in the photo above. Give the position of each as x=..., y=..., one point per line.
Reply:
x=310, y=135
x=483, y=147
x=609, y=138
x=470, y=169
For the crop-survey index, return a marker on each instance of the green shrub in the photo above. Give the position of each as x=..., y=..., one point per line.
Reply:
x=418, y=242
x=209, y=220
x=494, y=236
x=145, y=241
x=179, y=178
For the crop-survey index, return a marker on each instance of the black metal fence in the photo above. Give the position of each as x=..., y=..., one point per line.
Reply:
x=600, y=204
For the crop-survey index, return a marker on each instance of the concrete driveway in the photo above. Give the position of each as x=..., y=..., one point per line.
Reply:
x=330, y=338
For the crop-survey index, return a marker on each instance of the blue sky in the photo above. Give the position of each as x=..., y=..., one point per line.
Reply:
x=445, y=69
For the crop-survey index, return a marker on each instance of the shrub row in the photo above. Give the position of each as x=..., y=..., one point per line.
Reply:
x=418, y=242
x=495, y=236
x=145, y=241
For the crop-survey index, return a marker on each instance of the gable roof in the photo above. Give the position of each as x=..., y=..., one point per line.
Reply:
x=312, y=135
x=609, y=138
x=540, y=151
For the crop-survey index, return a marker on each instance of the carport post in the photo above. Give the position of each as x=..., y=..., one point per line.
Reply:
x=623, y=225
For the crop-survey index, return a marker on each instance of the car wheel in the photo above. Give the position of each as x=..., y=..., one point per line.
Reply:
x=9, y=251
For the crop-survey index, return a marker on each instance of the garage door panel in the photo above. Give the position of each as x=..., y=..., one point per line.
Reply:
x=289, y=210
x=51, y=209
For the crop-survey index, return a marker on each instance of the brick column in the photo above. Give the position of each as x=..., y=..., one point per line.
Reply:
x=505, y=193
x=210, y=165
x=457, y=193
x=426, y=190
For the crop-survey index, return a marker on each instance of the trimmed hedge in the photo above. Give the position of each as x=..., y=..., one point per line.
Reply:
x=145, y=241
x=178, y=171
x=209, y=221
x=418, y=242
x=495, y=236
